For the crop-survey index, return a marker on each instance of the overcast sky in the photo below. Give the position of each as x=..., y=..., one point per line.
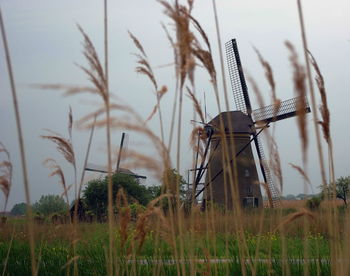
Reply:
x=45, y=44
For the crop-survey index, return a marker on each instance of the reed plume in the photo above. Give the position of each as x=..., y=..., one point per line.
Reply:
x=70, y=124
x=184, y=39
x=5, y=174
x=124, y=216
x=159, y=94
x=196, y=104
x=267, y=190
x=145, y=68
x=141, y=224
x=64, y=147
x=256, y=90
x=275, y=163
x=325, y=122
x=135, y=159
x=69, y=90
x=301, y=172
x=57, y=170
x=95, y=73
x=299, y=79
x=197, y=136
x=324, y=110
x=271, y=81
x=292, y=217
x=268, y=73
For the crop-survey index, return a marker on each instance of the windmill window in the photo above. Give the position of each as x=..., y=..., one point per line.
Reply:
x=250, y=202
x=249, y=189
x=246, y=173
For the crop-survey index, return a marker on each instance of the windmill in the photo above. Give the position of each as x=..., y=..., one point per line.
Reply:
x=228, y=152
x=102, y=169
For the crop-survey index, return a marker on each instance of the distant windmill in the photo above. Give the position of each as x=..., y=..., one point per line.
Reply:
x=240, y=130
x=118, y=169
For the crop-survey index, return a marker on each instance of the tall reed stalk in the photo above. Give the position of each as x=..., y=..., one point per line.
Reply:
x=21, y=145
x=109, y=146
x=332, y=214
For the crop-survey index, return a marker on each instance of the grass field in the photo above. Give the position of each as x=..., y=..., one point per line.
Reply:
x=214, y=249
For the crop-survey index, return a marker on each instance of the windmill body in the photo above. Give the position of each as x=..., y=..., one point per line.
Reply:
x=237, y=128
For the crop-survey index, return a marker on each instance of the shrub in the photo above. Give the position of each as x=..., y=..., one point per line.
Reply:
x=313, y=203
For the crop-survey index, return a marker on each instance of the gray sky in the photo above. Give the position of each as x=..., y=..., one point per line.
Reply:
x=45, y=44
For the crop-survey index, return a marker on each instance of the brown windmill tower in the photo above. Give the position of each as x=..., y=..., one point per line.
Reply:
x=229, y=146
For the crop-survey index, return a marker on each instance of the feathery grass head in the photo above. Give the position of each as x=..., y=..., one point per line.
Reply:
x=173, y=45
x=268, y=73
x=64, y=146
x=299, y=78
x=162, y=91
x=206, y=59
x=292, y=217
x=204, y=56
x=301, y=172
x=184, y=38
x=95, y=73
x=124, y=215
x=196, y=105
x=276, y=163
x=57, y=170
x=143, y=220
x=68, y=89
x=256, y=90
x=195, y=140
x=5, y=173
x=267, y=191
x=70, y=123
x=325, y=123
x=270, y=79
x=160, y=94
x=137, y=44
x=144, y=66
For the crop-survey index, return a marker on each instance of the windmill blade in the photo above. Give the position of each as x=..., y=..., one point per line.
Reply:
x=272, y=193
x=96, y=168
x=124, y=143
x=238, y=83
x=287, y=109
x=103, y=169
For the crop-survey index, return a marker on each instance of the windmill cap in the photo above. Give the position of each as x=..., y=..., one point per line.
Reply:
x=233, y=121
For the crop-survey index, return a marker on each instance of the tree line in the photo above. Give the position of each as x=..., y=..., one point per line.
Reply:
x=94, y=197
x=95, y=194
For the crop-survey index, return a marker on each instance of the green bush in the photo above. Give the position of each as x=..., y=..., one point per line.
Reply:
x=313, y=203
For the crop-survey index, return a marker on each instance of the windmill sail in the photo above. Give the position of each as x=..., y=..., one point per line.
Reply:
x=272, y=192
x=239, y=86
x=242, y=101
x=103, y=169
x=286, y=109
